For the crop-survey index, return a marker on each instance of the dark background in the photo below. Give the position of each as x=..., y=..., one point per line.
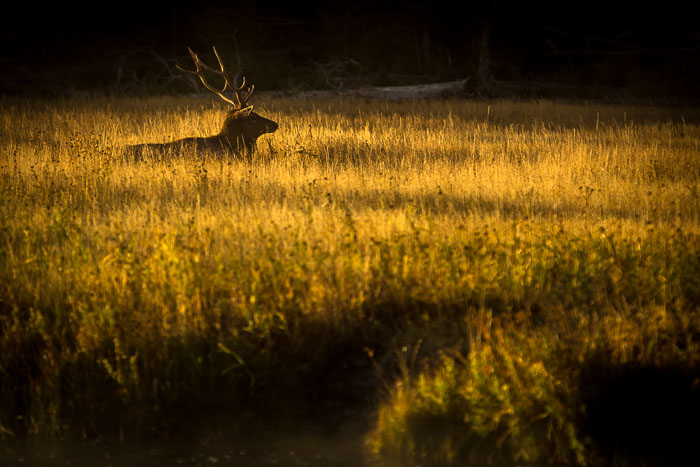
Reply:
x=584, y=49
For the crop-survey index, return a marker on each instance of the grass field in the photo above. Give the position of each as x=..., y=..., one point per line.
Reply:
x=492, y=282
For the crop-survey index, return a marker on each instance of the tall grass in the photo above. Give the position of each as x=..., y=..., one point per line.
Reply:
x=524, y=252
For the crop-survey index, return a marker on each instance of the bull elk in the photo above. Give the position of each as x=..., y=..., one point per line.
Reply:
x=241, y=129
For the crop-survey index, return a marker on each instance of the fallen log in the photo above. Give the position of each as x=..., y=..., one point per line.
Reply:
x=414, y=91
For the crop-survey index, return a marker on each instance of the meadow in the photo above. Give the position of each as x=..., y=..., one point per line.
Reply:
x=503, y=282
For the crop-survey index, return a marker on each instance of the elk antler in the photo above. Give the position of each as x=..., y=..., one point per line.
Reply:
x=241, y=96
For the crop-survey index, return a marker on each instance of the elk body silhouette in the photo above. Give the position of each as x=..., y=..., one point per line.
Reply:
x=240, y=131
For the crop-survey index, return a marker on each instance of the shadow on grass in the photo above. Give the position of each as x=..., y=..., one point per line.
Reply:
x=254, y=192
x=644, y=415
x=323, y=378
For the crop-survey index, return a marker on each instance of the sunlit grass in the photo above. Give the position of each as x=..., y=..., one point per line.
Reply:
x=141, y=296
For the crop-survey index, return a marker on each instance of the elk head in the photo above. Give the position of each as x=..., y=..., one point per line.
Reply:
x=242, y=127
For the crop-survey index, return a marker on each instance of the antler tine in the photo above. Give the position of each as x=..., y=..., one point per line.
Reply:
x=242, y=100
x=199, y=72
x=237, y=89
x=201, y=67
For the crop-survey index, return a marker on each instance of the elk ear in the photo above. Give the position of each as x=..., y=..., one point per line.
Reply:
x=245, y=112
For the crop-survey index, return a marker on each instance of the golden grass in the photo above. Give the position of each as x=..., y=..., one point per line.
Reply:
x=463, y=161
x=147, y=285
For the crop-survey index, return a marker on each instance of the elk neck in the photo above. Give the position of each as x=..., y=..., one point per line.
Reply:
x=233, y=131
